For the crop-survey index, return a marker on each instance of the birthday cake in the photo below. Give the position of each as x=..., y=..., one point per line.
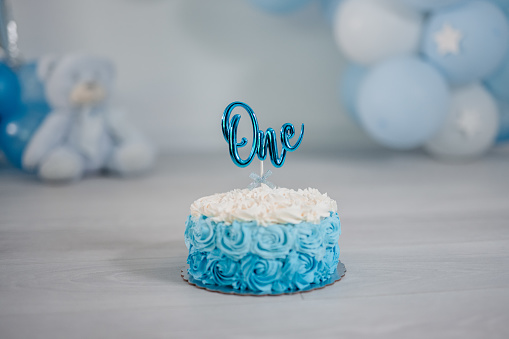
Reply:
x=263, y=240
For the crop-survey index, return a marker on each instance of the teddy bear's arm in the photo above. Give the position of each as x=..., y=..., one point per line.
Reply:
x=50, y=134
x=120, y=128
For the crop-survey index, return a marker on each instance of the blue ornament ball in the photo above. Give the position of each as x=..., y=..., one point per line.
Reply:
x=279, y=6
x=466, y=42
x=32, y=88
x=17, y=129
x=430, y=5
x=10, y=92
x=498, y=81
x=502, y=4
x=349, y=84
x=402, y=102
x=503, y=127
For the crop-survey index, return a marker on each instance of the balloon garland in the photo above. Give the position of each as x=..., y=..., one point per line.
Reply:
x=423, y=73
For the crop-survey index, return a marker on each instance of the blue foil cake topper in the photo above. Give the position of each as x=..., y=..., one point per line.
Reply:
x=261, y=140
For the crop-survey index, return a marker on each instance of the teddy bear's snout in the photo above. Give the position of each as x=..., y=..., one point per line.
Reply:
x=87, y=93
x=91, y=85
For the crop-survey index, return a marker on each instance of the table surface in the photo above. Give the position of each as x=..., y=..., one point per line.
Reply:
x=425, y=244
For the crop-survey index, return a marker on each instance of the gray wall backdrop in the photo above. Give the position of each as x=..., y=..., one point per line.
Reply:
x=180, y=62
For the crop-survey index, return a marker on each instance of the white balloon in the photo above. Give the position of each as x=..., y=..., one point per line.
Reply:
x=368, y=31
x=471, y=125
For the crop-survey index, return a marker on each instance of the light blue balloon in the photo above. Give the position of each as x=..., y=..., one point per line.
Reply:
x=498, y=82
x=502, y=4
x=279, y=6
x=18, y=129
x=428, y=5
x=470, y=127
x=349, y=84
x=403, y=102
x=481, y=48
x=503, y=129
x=329, y=8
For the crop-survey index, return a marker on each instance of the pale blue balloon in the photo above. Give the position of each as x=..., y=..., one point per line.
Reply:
x=502, y=4
x=428, y=5
x=470, y=127
x=402, y=102
x=498, y=82
x=329, y=8
x=503, y=129
x=482, y=40
x=279, y=6
x=17, y=130
x=349, y=84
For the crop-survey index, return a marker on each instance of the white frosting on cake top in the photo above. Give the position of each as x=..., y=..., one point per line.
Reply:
x=266, y=206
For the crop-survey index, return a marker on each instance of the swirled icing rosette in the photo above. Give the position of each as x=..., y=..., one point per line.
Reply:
x=202, y=235
x=310, y=240
x=223, y=270
x=264, y=240
x=259, y=274
x=272, y=242
x=235, y=240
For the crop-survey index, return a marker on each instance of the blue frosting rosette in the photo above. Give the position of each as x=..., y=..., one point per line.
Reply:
x=271, y=259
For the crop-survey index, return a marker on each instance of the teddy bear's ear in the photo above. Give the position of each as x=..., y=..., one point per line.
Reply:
x=45, y=66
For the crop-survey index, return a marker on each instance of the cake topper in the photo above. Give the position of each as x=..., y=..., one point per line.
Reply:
x=261, y=140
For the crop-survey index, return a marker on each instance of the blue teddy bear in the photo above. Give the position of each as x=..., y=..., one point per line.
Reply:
x=82, y=134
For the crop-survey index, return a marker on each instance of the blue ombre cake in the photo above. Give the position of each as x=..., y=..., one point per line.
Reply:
x=263, y=240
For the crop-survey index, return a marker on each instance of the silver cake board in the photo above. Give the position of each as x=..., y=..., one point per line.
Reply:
x=336, y=276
